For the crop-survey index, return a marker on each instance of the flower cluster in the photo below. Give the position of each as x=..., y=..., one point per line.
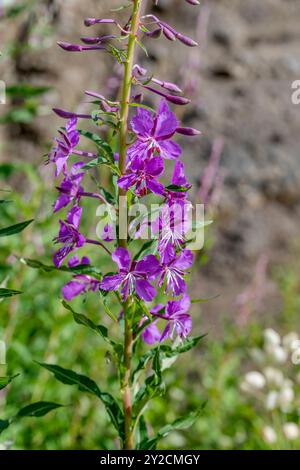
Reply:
x=275, y=385
x=151, y=135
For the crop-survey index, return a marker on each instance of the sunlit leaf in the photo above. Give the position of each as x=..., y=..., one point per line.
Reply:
x=85, y=384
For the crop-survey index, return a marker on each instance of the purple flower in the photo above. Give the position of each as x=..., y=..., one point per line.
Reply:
x=79, y=285
x=172, y=226
x=151, y=333
x=179, y=321
x=178, y=318
x=173, y=269
x=64, y=147
x=75, y=261
x=69, y=236
x=154, y=133
x=132, y=275
x=70, y=189
x=142, y=174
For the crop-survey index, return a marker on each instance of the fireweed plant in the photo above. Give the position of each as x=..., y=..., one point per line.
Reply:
x=142, y=269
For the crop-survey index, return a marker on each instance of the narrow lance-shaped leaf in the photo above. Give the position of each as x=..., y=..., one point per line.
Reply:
x=13, y=229
x=80, y=269
x=101, y=330
x=179, y=424
x=8, y=292
x=38, y=409
x=85, y=384
x=4, y=381
x=104, y=146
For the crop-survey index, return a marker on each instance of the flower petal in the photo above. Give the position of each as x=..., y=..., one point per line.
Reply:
x=72, y=289
x=154, y=166
x=169, y=149
x=184, y=260
x=155, y=187
x=142, y=123
x=145, y=290
x=112, y=282
x=179, y=178
x=151, y=334
x=121, y=257
x=166, y=122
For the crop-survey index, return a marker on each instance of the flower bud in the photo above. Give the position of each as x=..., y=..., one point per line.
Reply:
x=193, y=2
x=167, y=85
x=190, y=131
x=93, y=21
x=69, y=115
x=67, y=46
x=169, y=34
x=186, y=40
x=93, y=40
x=155, y=34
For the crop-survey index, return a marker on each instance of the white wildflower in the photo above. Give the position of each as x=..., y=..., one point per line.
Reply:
x=291, y=431
x=269, y=435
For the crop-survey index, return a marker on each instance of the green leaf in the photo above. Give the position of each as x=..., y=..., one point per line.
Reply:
x=13, y=229
x=143, y=432
x=101, y=144
x=4, y=201
x=198, y=301
x=4, y=423
x=119, y=54
x=95, y=162
x=144, y=106
x=179, y=424
x=165, y=352
x=8, y=292
x=85, y=384
x=107, y=308
x=38, y=409
x=68, y=377
x=178, y=189
x=188, y=344
x=153, y=386
x=83, y=320
x=141, y=45
x=25, y=90
x=102, y=161
x=80, y=269
x=4, y=381
x=149, y=248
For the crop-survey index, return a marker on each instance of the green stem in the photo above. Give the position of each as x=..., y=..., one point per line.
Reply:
x=128, y=337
